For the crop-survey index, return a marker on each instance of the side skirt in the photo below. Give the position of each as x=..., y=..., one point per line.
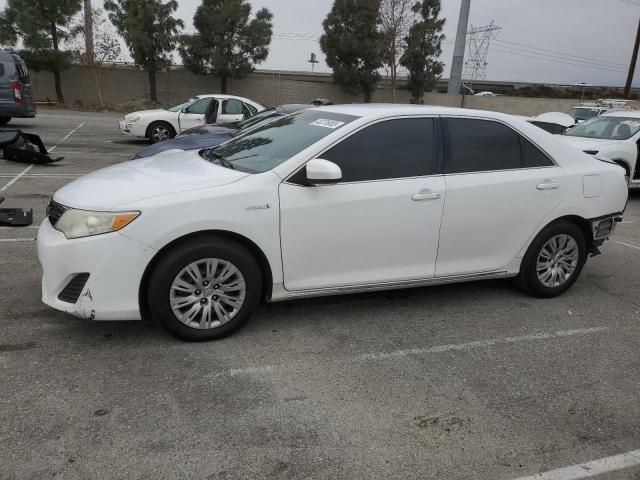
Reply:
x=280, y=294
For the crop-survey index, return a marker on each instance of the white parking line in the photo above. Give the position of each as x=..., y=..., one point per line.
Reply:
x=26, y=170
x=16, y=178
x=628, y=245
x=590, y=469
x=38, y=175
x=366, y=357
x=17, y=239
x=66, y=136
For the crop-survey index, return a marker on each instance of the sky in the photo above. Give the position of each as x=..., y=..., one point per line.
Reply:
x=552, y=41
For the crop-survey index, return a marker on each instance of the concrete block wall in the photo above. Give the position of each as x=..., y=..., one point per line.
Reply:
x=127, y=84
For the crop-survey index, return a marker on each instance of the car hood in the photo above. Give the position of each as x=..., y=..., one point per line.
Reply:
x=584, y=143
x=163, y=174
x=187, y=142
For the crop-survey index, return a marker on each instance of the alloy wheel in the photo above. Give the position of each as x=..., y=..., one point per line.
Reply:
x=207, y=293
x=160, y=133
x=557, y=260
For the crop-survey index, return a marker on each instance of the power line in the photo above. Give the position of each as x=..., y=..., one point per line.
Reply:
x=578, y=57
x=563, y=62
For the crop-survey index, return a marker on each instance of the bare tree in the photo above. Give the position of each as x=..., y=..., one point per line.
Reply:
x=396, y=18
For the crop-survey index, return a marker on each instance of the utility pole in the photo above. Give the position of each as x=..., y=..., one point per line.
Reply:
x=88, y=33
x=455, y=78
x=632, y=67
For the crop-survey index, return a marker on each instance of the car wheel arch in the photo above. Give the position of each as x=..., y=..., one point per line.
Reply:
x=257, y=253
x=624, y=164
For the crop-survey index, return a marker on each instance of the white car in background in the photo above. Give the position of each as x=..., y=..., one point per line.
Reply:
x=161, y=124
x=614, y=136
x=326, y=201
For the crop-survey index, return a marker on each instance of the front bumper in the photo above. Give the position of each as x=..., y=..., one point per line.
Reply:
x=115, y=265
x=132, y=129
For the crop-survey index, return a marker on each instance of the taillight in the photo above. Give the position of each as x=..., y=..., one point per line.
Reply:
x=17, y=94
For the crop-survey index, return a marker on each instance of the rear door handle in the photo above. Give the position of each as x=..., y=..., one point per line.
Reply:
x=426, y=195
x=548, y=186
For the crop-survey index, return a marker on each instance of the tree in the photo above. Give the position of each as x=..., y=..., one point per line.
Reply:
x=227, y=44
x=352, y=44
x=149, y=30
x=396, y=17
x=42, y=25
x=424, y=47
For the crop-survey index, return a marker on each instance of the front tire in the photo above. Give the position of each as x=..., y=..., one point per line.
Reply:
x=160, y=131
x=205, y=289
x=554, y=260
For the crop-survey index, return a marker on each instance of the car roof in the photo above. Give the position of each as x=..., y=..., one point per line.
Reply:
x=622, y=113
x=389, y=110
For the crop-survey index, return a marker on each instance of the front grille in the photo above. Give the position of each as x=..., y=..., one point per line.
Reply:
x=72, y=291
x=55, y=211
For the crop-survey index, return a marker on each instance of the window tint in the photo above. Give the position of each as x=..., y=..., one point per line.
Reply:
x=200, y=107
x=232, y=107
x=392, y=149
x=481, y=145
x=251, y=108
x=532, y=156
x=2, y=70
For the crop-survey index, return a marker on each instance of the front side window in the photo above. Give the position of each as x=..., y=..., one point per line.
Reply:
x=607, y=128
x=179, y=107
x=200, y=107
x=391, y=149
x=267, y=146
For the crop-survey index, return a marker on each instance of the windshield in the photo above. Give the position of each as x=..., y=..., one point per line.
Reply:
x=267, y=146
x=584, y=113
x=178, y=108
x=607, y=128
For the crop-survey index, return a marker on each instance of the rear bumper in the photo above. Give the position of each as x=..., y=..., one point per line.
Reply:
x=17, y=110
x=114, y=264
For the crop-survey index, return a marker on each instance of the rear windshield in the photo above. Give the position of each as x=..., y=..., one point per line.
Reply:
x=606, y=128
x=267, y=146
x=21, y=69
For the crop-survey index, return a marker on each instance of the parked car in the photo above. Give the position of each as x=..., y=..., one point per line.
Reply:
x=326, y=201
x=162, y=124
x=485, y=94
x=613, y=135
x=213, y=135
x=553, y=122
x=16, y=97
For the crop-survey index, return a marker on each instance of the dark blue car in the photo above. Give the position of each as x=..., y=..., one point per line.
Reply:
x=207, y=136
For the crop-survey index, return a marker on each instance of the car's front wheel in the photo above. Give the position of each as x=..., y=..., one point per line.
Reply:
x=206, y=289
x=160, y=131
x=554, y=260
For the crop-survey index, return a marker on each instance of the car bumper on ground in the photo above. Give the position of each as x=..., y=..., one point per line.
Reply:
x=132, y=129
x=96, y=278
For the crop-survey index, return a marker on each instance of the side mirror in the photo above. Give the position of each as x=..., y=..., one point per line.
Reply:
x=323, y=172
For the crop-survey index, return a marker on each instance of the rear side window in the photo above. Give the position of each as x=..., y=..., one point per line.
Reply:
x=483, y=145
x=21, y=69
x=232, y=107
x=391, y=149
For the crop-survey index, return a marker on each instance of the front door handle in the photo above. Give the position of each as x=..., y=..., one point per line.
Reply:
x=547, y=185
x=426, y=195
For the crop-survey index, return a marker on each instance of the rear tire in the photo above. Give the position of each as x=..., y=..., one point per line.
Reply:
x=554, y=260
x=189, y=295
x=160, y=131
x=4, y=120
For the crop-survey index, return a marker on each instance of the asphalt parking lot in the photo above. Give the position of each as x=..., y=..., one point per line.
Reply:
x=474, y=381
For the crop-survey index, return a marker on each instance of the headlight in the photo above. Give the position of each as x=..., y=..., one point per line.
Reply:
x=133, y=119
x=83, y=223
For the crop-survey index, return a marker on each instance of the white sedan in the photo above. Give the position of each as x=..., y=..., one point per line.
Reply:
x=326, y=201
x=161, y=124
x=613, y=135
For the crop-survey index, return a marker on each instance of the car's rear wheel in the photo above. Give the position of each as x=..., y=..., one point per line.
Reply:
x=554, y=260
x=160, y=131
x=206, y=289
x=4, y=120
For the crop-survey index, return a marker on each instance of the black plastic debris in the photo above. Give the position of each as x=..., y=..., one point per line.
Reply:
x=18, y=146
x=16, y=217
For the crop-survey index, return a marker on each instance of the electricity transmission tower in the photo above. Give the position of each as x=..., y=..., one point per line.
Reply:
x=479, y=40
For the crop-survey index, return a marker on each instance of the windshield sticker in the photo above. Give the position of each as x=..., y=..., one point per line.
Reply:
x=323, y=122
